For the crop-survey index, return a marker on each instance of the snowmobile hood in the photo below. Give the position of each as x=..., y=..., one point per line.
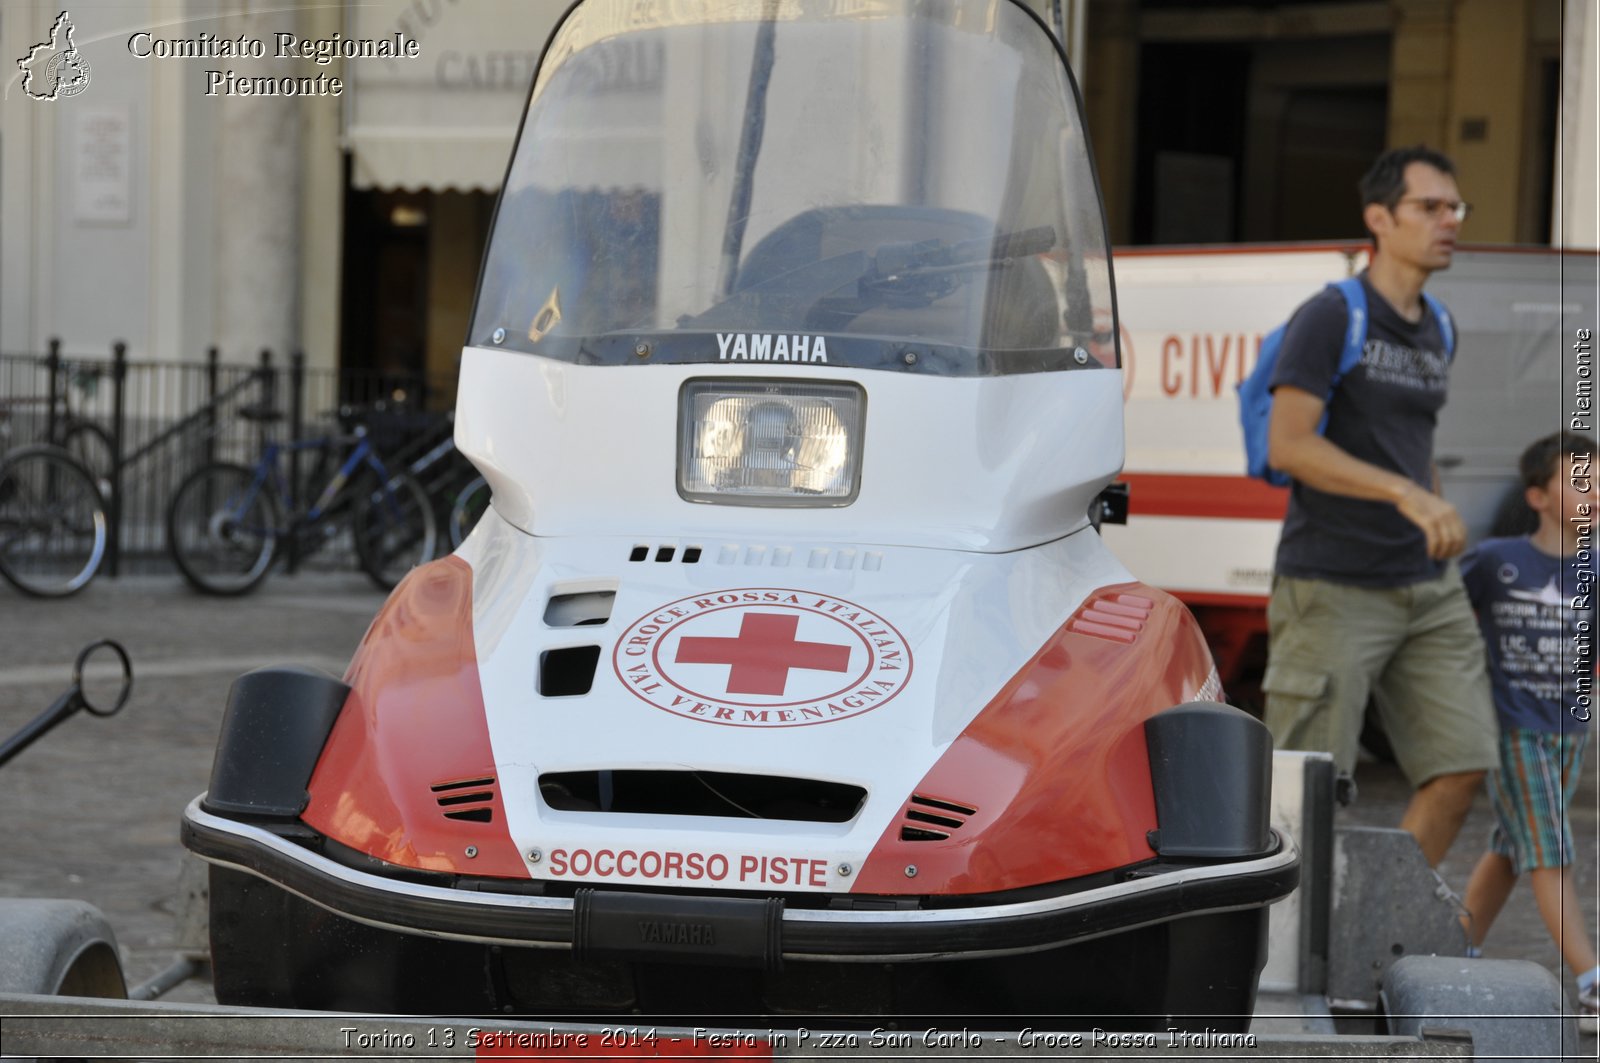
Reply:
x=735, y=709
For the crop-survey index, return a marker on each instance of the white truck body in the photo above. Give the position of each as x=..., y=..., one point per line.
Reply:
x=1192, y=320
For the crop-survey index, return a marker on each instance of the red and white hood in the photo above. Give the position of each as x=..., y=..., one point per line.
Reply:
x=990, y=706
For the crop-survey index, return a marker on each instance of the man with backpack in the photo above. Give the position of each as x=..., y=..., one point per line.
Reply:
x=1366, y=599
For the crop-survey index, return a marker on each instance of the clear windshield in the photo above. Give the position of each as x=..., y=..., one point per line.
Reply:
x=878, y=172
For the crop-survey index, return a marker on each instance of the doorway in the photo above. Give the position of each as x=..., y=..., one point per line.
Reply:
x=411, y=263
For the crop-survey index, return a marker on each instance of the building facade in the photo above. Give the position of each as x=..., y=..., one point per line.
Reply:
x=305, y=177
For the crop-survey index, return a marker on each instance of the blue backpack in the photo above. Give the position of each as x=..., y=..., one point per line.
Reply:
x=1255, y=391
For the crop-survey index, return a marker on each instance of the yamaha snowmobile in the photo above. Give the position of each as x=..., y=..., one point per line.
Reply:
x=787, y=674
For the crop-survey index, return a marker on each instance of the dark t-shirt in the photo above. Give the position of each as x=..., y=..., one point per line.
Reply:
x=1383, y=412
x=1536, y=612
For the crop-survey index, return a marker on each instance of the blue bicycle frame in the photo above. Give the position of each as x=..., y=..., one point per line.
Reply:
x=267, y=472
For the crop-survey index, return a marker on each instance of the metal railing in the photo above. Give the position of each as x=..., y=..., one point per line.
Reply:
x=157, y=421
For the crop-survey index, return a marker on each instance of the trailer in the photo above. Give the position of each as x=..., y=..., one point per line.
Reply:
x=1365, y=961
x=33, y=1025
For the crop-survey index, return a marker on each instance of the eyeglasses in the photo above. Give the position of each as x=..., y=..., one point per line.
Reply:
x=1438, y=208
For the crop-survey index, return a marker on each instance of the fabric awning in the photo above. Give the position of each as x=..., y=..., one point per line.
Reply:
x=446, y=119
x=416, y=158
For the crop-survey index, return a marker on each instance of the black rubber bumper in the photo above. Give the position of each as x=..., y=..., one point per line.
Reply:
x=762, y=936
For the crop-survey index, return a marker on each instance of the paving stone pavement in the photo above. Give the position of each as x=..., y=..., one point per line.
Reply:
x=1519, y=933
x=92, y=810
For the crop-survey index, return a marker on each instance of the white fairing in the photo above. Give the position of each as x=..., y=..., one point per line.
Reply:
x=988, y=464
x=928, y=619
x=946, y=254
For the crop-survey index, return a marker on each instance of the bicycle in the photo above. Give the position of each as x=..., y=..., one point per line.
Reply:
x=451, y=479
x=470, y=504
x=84, y=438
x=53, y=526
x=66, y=426
x=225, y=524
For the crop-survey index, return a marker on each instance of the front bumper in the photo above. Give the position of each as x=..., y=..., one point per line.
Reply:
x=741, y=930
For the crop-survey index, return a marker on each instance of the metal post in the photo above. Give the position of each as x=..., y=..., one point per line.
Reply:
x=213, y=371
x=119, y=377
x=52, y=363
x=297, y=398
x=269, y=395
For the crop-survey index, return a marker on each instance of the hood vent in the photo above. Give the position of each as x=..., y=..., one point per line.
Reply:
x=760, y=555
x=932, y=819
x=665, y=553
x=701, y=793
x=469, y=799
x=1115, y=617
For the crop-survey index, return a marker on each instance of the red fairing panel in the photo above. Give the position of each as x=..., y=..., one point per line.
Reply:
x=411, y=734
x=1055, y=766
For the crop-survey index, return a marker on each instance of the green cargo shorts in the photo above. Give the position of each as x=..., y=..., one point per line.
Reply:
x=1415, y=649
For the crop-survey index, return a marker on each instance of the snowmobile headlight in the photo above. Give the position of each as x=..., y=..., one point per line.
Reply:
x=770, y=444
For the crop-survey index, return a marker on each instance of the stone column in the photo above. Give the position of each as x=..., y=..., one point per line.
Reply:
x=1575, y=224
x=1488, y=112
x=322, y=203
x=1420, y=72
x=1111, y=98
x=257, y=186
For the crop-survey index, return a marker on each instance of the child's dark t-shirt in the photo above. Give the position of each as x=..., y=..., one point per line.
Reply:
x=1537, y=616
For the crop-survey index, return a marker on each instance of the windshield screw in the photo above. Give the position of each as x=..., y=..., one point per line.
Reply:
x=642, y=349
x=911, y=357
x=472, y=851
x=911, y=871
x=534, y=856
x=844, y=870
x=499, y=336
x=1080, y=356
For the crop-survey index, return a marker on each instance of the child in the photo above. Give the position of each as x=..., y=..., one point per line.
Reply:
x=1535, y=601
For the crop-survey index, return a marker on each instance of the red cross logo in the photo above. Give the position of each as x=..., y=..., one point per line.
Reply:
x=763, y=653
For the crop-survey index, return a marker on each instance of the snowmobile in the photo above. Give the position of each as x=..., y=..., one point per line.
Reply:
x=787, y=674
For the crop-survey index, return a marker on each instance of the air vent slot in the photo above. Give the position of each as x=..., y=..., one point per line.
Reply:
x=845, y=558
x=465, y=784
x=583, y=609
x=918, y=834
x=701, y=793
x=937, y=821
x=567, y=672
x=471, y=800
x=782, y=556
x=932, y=819
x=1115, y=617
x=949, y=806
x=689, y=555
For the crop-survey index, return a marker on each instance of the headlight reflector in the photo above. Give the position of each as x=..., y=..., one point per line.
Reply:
x=770, y=443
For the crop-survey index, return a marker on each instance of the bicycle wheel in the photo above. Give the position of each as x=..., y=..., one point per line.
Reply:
x=472, y=501
x=222, y=529
x=53, y=526
x=395, y=529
